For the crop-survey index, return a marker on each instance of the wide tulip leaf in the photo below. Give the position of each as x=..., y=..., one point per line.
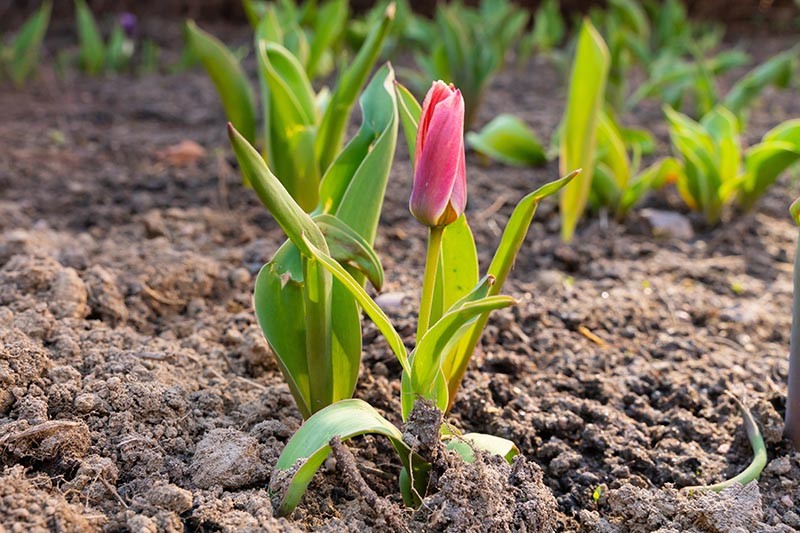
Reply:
x=509, y=140
x=466, y=444
x=353, y=188
x=278, y=303
x=229, y=79
x=579, y=133
x=334, y=122
x=764, y=163
x=308, y=448
x=457, y=272
x=25, y=49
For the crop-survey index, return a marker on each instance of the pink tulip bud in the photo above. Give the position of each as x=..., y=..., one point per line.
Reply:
x=439, y=195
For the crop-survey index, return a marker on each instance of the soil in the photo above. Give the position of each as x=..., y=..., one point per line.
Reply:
x=137, y=391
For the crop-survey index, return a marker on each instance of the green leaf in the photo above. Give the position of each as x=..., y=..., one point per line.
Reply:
x=372, y=309
x=764, y=163
x=348, y=247
x=353, y=188
x=292, y=122
x=92, y=49
x=510, y=243
x=611, y=146
x=297, y=225
x=254, y=10
x=579, y=135
x=465, y=445
x=279, y=286
x=457, y=273
x=776, y=71
x=308, y=448
x=753, y=471
x=229, y=79
x=428, y=357
x=334, y=122
x=25, y=49
x=328, y=29
x=410, y=111
x=509, y=140
x=119, y=49
x=794, y=210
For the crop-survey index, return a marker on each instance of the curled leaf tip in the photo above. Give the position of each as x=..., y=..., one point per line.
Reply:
x=794, y=209
x=490, y=279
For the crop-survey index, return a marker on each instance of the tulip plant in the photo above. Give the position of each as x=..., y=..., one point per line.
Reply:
x=673, y=79
x=313, y=32
x=716, y=173
x=618, y=184
x=18, y=60
x=299, y=291
x=96, y=56
x=547, y=33
x=311, y=321
x=468, y=46
x=303, y=131
x=792, y=421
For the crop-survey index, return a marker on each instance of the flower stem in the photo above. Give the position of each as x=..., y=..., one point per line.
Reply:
x=429, y=281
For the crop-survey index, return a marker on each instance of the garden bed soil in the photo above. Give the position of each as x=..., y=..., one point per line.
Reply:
x=137, y=391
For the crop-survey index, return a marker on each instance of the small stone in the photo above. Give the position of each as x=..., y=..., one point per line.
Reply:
x=667, y=224
x=390, y=301
x=86, y=403
x=227, y=458
x=239, y=276
x=170, y=497
x=68, y=295
x=779, y=466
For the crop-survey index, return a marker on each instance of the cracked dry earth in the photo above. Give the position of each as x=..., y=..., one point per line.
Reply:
x=138, y=394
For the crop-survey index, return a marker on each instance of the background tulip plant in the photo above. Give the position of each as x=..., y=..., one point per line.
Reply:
x=20, y=57
x=716, y=172
x=303, y=131
x=454, y=306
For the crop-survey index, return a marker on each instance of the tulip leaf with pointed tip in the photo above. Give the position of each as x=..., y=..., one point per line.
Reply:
x=510, y=243
x=458, y=271
x=509, y=140
x=466, y=444
x=308, y=448
x=332, y=127
x=92, y=49
x=581, y=118
x=224, y=70
x=25, y=49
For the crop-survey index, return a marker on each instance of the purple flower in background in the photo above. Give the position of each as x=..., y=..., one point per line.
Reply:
x=128, y=23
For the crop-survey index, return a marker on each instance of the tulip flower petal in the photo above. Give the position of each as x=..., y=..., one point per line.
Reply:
x=440, y=169
x=438, y=92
